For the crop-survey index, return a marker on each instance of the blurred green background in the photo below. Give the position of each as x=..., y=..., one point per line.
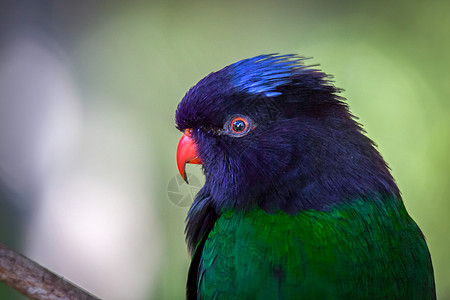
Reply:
x=88, y=91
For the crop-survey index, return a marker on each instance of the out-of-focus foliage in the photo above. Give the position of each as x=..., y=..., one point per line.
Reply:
x=138, y=59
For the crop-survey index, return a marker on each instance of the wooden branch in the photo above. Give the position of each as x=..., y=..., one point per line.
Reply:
x=35, y=281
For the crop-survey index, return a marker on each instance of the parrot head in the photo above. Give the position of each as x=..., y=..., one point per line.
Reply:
x=272, y=131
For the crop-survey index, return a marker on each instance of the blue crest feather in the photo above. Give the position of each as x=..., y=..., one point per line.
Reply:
x=264, y=73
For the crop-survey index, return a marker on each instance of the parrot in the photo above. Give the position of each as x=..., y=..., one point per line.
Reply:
x=297, y=203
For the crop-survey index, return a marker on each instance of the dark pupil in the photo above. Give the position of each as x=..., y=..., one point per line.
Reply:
x=238, y=125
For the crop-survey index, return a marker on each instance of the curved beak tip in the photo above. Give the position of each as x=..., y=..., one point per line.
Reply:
x=186, y=153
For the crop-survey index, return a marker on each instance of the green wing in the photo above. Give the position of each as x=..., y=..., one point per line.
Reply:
x=368, y=249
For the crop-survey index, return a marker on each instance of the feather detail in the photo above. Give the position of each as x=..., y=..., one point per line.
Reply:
x=366, y=249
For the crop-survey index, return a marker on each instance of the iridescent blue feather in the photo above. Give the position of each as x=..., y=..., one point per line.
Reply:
x=264, y=73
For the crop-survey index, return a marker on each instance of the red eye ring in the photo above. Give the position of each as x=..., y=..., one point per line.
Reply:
x=238, y=125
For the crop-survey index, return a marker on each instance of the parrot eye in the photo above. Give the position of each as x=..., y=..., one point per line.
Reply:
x=238, y=126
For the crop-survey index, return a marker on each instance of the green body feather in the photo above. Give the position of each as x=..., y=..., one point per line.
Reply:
x=366, y=249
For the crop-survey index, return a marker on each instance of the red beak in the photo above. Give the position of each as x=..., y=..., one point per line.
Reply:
x=186, y=153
